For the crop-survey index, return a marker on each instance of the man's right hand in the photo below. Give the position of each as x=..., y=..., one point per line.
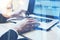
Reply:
x=26, y=25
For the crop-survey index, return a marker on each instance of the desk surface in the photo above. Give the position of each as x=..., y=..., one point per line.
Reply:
x=54, y=34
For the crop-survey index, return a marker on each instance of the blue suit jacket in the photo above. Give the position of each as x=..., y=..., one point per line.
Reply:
x=2, y=19
x=10, y=35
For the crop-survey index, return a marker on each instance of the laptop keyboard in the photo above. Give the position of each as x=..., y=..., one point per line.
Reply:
x=38, y=19
x=43, y=20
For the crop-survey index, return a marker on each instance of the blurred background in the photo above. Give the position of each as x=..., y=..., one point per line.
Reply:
x=45, y=8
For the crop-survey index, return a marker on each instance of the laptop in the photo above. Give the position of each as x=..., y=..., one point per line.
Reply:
x=46, y=13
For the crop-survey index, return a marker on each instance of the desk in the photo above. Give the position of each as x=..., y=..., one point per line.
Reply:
x=54, y=34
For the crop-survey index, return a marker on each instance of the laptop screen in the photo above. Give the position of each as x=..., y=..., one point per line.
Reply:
x=47, y=8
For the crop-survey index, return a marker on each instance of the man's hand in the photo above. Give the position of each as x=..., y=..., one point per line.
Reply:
x=26, y=25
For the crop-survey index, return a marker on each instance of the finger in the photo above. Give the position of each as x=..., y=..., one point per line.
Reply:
x=32, y=20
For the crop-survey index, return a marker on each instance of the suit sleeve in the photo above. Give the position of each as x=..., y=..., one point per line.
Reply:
x=10, y=35
x=2, y=19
